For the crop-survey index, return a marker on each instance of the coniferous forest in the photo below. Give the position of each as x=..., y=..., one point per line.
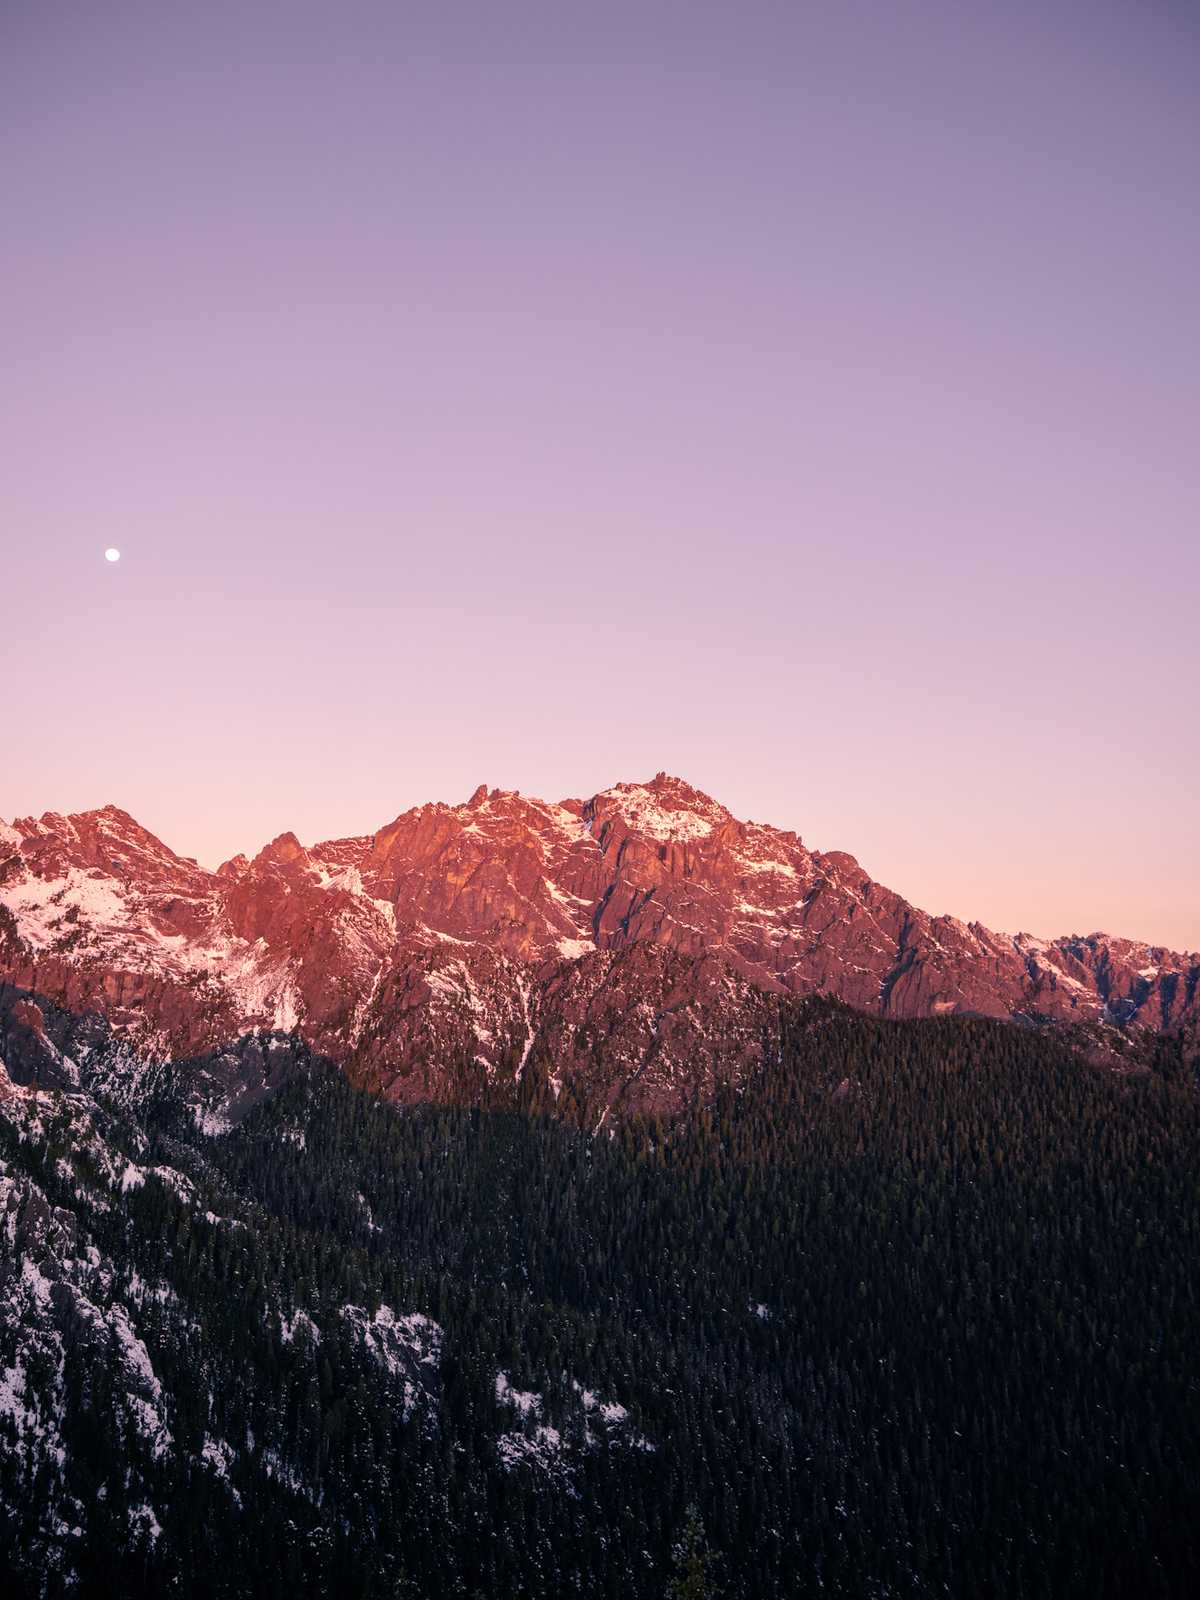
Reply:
x=915, y=1312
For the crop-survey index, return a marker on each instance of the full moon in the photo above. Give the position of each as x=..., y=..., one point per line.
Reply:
x=112, y=555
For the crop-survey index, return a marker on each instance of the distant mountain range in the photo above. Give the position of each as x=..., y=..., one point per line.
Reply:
x=630, y=950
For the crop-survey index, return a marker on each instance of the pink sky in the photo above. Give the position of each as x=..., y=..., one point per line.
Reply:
x=800, y=399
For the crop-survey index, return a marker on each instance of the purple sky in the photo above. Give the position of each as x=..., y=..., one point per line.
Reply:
x=800, y=398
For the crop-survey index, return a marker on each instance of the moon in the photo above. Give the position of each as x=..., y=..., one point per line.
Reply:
x=112, y=555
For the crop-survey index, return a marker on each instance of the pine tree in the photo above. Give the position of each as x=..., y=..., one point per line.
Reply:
x=694, y=1562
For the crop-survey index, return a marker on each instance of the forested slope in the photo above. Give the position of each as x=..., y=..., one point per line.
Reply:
x=914, y=1312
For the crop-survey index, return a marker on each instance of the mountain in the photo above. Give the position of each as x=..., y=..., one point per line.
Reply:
x=628, y=951
x=315, y=1275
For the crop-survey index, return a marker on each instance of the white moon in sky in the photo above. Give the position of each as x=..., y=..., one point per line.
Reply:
x=112, y=555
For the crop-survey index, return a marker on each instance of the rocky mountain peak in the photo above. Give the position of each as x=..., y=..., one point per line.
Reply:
x=645, y=926
x=666, y=808
x=284, y=850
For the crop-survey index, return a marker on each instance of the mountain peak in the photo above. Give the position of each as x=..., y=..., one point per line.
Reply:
x=106, y=838
x=445, y=931
x=111, y=813
x=283, y=850
x=664, y=808
x=668, y=783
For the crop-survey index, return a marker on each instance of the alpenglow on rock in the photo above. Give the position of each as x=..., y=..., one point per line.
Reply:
x=635, y=940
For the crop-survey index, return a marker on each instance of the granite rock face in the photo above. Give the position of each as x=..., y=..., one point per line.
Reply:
x=635, y=945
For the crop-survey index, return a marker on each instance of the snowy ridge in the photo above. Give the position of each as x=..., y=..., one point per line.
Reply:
x=454, y=935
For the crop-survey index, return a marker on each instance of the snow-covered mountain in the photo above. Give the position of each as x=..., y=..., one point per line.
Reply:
x=631, y=942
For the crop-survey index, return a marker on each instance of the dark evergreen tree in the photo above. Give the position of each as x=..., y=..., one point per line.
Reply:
x=695, y=1563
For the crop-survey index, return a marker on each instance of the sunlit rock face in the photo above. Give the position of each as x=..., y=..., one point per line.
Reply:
x=632, y=945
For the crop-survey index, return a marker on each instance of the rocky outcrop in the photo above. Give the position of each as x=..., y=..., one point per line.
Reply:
x=629, y=942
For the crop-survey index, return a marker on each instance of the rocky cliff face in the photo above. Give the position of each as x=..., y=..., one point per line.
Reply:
x=628, y=944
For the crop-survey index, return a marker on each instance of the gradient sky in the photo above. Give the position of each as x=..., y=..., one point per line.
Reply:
x=800, y=398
